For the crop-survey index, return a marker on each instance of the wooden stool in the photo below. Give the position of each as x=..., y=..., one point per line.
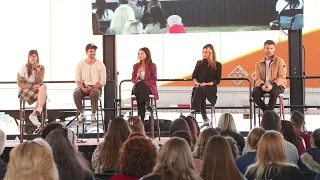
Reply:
x=154, y=113
x=23, y=124
x=84, y=99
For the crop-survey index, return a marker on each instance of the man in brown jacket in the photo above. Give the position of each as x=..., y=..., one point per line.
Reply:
x=270, y=77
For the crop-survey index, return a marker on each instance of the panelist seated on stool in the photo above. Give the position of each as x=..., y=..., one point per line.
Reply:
x=31, y=87
x=270, y=77
x=90, y=78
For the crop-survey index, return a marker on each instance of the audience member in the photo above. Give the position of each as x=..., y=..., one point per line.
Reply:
x=138, y=11
x=174, y=162
x=106, y=155
x=50, y=127
x=175, y=24
x=291, y=136
x=3, y=166
x=271, y=121
x=271, y=157
x=146, y=18
x=64, y=146
x=104, y=14
x=96, y=25
x=158, y=24
x=133, y=27
x=297, y=119
x=32, y=160
x=192, y=123
x=227, y=127
x=121, y=16
x=202, y=141
x=310, y=159
x=233, y=146
x=136, y=125
x=137, y=158
x=249, y=158
x=184, y=135
x=218, y=162
x=179, y=125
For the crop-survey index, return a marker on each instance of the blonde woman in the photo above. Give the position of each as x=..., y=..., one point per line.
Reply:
x=32, y=160
x=174, y=162
x=271, y=157
x=249, y=158
x=218, y=162
x=121, y=16
x=227, y=127
x=206, y=76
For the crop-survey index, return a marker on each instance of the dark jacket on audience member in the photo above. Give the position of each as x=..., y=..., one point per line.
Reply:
x=3, y=169
x=286, y=173
x=244, y=161
x=238, y=138
x=310, y=160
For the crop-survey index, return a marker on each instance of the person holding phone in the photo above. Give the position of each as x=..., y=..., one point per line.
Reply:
x=32, y=89
x=206, y=76
x=270, y=77
x=91, y=76
x=144, y=77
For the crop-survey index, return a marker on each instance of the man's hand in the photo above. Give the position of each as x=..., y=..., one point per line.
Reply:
x=269, y=88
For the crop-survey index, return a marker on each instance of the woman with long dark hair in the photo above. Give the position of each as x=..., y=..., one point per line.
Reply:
x=291, y=136
x=144, y=77
x=32, y=89
x=158, y=23
x=206, y=76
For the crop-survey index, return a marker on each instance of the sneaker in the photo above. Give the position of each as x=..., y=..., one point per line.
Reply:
x=204, y=125
x=34, y=120
x=81, y=119
x=93, y=119
x=39, y=110
x=206, y=120
x=148, y=107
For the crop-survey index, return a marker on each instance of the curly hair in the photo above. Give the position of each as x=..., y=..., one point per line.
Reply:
x=137, y=157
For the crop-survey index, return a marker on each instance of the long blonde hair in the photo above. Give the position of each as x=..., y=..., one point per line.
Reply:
x=218, y=162
x=227, y=124
x=213, y=59
x=175, y=161
x=271, y=155
x=202, y=141
x=32, y=160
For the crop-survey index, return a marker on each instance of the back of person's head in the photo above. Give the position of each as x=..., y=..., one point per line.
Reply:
x=270, y=121
x=179, y=124
x=136, y=134
x=2, y=141
x=157, y=16
x=218, y=162
x=254, y=137
x=297, y=119
x=135, y=124
x=102, y=6
x=118, y=132
x=175, y=161
x=133, y=27
x=32, y=160
x=234, y=147
x=121, y=16
x=174, y=19
x=68, y=163
x=315, y=138
x=137, y=157
x=271, y=155
x=226, y=123
x=202, y=141
x=153, y=3
x=289, y=133
x=184, y=135
x=50, y=127
x=193, y=128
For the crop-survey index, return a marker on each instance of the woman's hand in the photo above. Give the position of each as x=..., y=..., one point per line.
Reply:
x=36, y=86
x=203, y=84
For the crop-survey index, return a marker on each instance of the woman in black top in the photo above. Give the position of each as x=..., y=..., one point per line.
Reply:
x=206, y=76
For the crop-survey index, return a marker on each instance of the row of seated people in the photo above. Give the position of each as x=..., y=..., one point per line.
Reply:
x=131, y=18
x=188, y=154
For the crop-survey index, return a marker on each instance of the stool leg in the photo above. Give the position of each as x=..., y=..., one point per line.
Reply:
x=83, y=127
x=21, y=121
x=132, y=108
x=281, y=107
x=211, y=120
x=102, y=118
x=77, y=117
x=158, y=123
x=152, y=120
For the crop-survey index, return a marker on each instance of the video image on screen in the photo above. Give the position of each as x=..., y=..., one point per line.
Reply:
x=116, y=17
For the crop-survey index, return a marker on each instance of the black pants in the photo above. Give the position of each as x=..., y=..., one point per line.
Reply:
x=257, y=93
x=199, y=96
x=142, y=92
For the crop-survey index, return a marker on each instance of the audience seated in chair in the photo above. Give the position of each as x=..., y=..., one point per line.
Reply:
x=291, y=136
x=253, y=138
x=65, y=148
x=234, y=147
x=133, y=27
x=158, y=23
x=271, y=121
x=227, y=127
x=297, y=119
x=137, y=158
x=122, y=15
x=181, y=124
x=175, y=24
x=218, y=162
x=32, y=160
x=106, y=155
